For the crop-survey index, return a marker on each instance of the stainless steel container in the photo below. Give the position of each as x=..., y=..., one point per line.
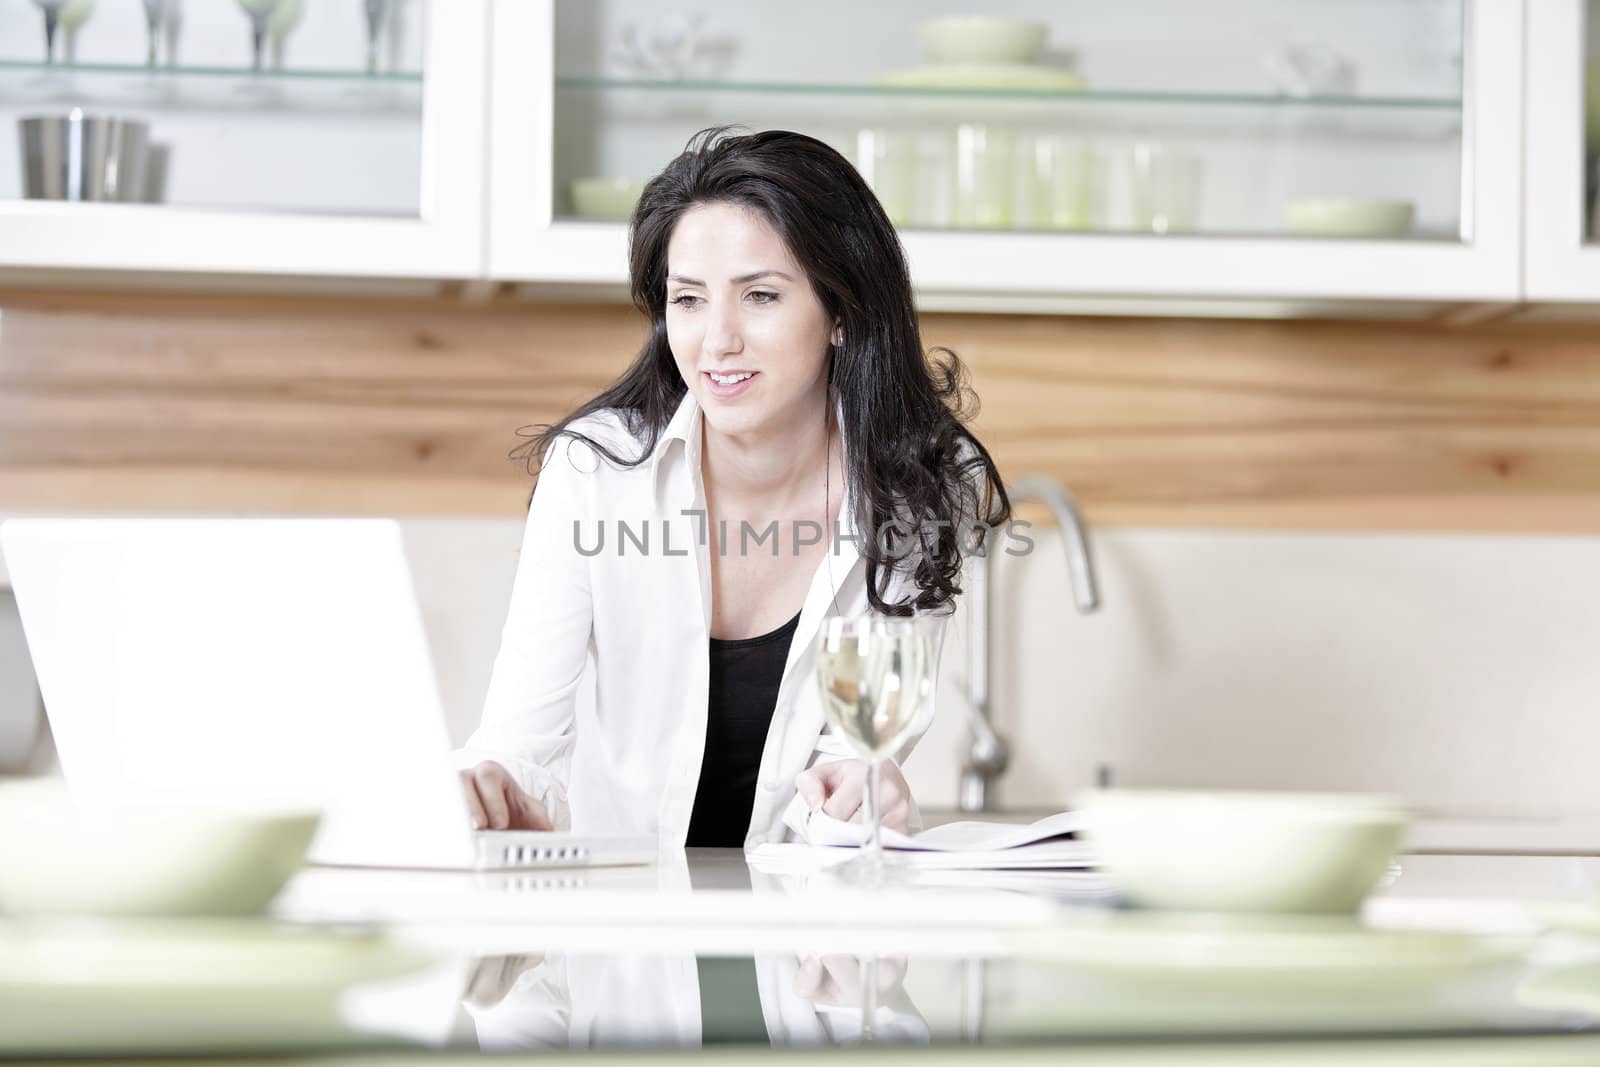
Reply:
x=84, y=157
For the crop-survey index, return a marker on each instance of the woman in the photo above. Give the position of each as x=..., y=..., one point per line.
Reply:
x=693, y=524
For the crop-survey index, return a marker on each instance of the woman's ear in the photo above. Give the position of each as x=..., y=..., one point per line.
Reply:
x=838, y=335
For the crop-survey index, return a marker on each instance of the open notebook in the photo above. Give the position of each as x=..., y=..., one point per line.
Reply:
x=1048, y=844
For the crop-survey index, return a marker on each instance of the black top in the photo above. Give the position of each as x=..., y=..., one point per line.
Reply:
x=744, y=689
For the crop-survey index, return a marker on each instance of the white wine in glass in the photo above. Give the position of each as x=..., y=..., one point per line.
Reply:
x=875, y=673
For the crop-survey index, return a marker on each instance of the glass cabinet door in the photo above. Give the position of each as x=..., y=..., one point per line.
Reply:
x=233, y=110
x=1152, y=117
x=1351, y=149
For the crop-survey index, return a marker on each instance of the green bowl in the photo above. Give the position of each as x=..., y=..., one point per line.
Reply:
x=605, y=198
x=146, y=860
x=1220, y=851
x=1349, y=217
x=982, y=39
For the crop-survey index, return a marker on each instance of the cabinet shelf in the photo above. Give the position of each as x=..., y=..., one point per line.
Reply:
x=1436, y=105
x=135, y=88
x=1382, y=120
x=158, y=73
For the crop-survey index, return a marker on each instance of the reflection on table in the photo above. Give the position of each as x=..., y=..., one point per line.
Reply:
x=706, y=952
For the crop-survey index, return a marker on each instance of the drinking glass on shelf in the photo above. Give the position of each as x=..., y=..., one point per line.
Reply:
x=260, y=12
x=1057, y=185
x=52, y=18
x=887, y=162
x=985, y=171
x=1152, y=187
x=875, y=673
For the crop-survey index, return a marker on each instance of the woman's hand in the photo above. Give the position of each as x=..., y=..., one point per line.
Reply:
x=839, y=788
x=497, y=802
x=835, y=980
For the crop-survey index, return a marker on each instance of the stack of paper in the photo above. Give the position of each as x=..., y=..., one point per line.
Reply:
x=1047, y=844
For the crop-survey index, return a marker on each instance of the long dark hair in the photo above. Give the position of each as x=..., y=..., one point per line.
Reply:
x=911, y=457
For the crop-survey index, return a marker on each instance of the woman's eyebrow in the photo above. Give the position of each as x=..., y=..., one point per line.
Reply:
x=740, y=280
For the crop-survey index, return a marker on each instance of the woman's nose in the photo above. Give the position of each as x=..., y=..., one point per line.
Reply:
x=722, y=329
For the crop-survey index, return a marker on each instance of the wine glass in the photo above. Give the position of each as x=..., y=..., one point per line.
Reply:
x=52, y=18
x=282, y=23
x=153, y=12
x=73, y=15
x=260, y=13
x=376, y=11
x=875, y=673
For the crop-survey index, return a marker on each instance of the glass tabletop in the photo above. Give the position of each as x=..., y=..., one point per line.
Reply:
x=618, y=960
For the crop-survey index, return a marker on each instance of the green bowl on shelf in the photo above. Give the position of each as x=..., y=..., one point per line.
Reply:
x=605, y=198
x=1349, y=217
x=982, y=39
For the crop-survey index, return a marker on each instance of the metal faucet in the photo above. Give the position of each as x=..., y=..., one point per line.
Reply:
x=989, y=754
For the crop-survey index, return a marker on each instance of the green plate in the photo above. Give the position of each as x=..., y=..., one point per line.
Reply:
x=1013, y=77
x=1312, y=951
x=175, y=985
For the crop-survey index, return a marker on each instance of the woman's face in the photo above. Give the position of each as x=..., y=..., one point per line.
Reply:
x=738, y=304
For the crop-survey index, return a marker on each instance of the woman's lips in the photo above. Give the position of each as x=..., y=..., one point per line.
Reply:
x=728, y=392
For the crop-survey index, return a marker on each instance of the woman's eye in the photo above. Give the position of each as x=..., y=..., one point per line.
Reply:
x=762, y=296
x=685, y=300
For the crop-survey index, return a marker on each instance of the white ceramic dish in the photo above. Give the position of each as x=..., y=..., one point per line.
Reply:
x=1343, y=217
x=605, y=198
x=1243, y=851
x=1013, y=77
x=173, y=986
x=177, y=860
x=982, y=39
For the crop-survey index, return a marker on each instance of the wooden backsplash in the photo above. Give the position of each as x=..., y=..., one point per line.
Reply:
x=230, y=404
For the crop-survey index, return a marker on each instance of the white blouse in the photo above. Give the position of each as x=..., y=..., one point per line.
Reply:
x=598, y=699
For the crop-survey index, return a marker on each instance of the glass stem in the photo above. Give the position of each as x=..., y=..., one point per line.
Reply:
x=868, y=971
x=874, y=821
x=50, y=16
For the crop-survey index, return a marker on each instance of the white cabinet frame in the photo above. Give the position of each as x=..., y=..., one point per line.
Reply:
x=991, y=270
x=444, y=241
x=1561, y=266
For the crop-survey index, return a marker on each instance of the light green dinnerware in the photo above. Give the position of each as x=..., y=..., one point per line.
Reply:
x=1242, y=851
x=199, y=859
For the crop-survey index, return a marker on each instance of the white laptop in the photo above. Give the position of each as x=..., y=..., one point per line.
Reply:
x=274, y=663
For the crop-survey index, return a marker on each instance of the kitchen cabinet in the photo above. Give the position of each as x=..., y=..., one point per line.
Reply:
x=1156, y=151
x=1563, y=151
x=340, y=148
x=1404, y=157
